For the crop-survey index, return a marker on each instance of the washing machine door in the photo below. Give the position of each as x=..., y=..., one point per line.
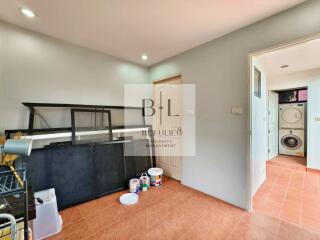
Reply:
x=291, y=142
x=291, y=115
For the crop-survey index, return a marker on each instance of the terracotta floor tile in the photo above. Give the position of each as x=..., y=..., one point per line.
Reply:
x=213, y=226
x=292, y=204
x=176, y=212
x=277, y=197
x=310, y=218
x=290, y=216
x=182, y=194
x=126, y=229
x=179, y=221
x=296, y=186
x=290, y=162
x=70, y=215
x=270, y=208
x=78, y=230
x=251, y=232
x=109, y=216
x=310, y=224
x=294, y=191
x=294, y=198
x=299, y=212
x=157, y=213
x=112, y=199
x=279, y=189
x=92, y=208
x=268, y=223
x=288, y=231
x=310, y=210
x=310, y=201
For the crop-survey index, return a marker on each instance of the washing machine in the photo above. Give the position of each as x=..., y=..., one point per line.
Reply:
x=292, y=142
x=292, y=115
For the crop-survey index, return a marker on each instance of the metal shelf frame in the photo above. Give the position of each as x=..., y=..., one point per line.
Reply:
x=33, y=106
x=73, y=127
x=9, y=186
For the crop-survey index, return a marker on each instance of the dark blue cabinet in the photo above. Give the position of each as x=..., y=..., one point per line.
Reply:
x=80, y=173
x=109, y=168
x=72, y=174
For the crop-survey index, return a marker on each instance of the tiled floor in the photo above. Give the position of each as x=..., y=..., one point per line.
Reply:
x=290, y=162
x=290, y=194
x=174, y=211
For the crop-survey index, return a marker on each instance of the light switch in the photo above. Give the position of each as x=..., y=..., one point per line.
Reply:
x=237, y=110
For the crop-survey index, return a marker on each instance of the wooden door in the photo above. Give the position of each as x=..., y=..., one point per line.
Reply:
x=168, y=97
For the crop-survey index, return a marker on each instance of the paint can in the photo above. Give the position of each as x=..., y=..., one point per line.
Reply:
x=144, y=182
x=155, y=176
x=134, y=185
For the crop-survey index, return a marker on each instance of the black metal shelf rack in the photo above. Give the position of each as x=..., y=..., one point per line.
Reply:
x=10, y=186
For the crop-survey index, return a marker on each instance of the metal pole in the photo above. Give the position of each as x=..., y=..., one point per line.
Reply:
x=26, y=204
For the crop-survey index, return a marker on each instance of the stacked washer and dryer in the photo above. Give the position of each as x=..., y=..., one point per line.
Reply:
x=292, y=129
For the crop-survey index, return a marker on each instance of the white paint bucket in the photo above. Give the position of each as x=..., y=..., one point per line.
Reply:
x=155, y=176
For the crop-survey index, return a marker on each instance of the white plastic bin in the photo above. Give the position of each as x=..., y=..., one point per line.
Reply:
x=48, y=221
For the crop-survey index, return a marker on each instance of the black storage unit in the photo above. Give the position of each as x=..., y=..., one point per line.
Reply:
x=80, y=173
x=38, y=169
x=87, y=169
x=109, y=168
x=137, y=159
x=71, y=174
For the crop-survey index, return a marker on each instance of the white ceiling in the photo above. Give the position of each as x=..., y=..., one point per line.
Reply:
x=128, y=28
x=301, y=57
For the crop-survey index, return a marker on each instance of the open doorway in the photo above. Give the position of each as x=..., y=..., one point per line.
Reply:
x=285, y=129
x=287, y=132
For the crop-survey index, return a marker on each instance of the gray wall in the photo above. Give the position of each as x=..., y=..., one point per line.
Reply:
x=220, y=71
x=37, y=68
x=1, y=82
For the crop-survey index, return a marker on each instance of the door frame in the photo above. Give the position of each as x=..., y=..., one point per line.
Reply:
x=249, y=136
x=164, y=80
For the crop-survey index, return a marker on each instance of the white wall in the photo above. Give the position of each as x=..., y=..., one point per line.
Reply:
x=2, y=104
x=259, y=129
x=293, y=80
x=37, y=68
x=314, y=123
x=220, y=71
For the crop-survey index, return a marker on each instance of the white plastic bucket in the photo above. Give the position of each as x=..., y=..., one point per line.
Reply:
x=134, y=185
x=155, y=176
